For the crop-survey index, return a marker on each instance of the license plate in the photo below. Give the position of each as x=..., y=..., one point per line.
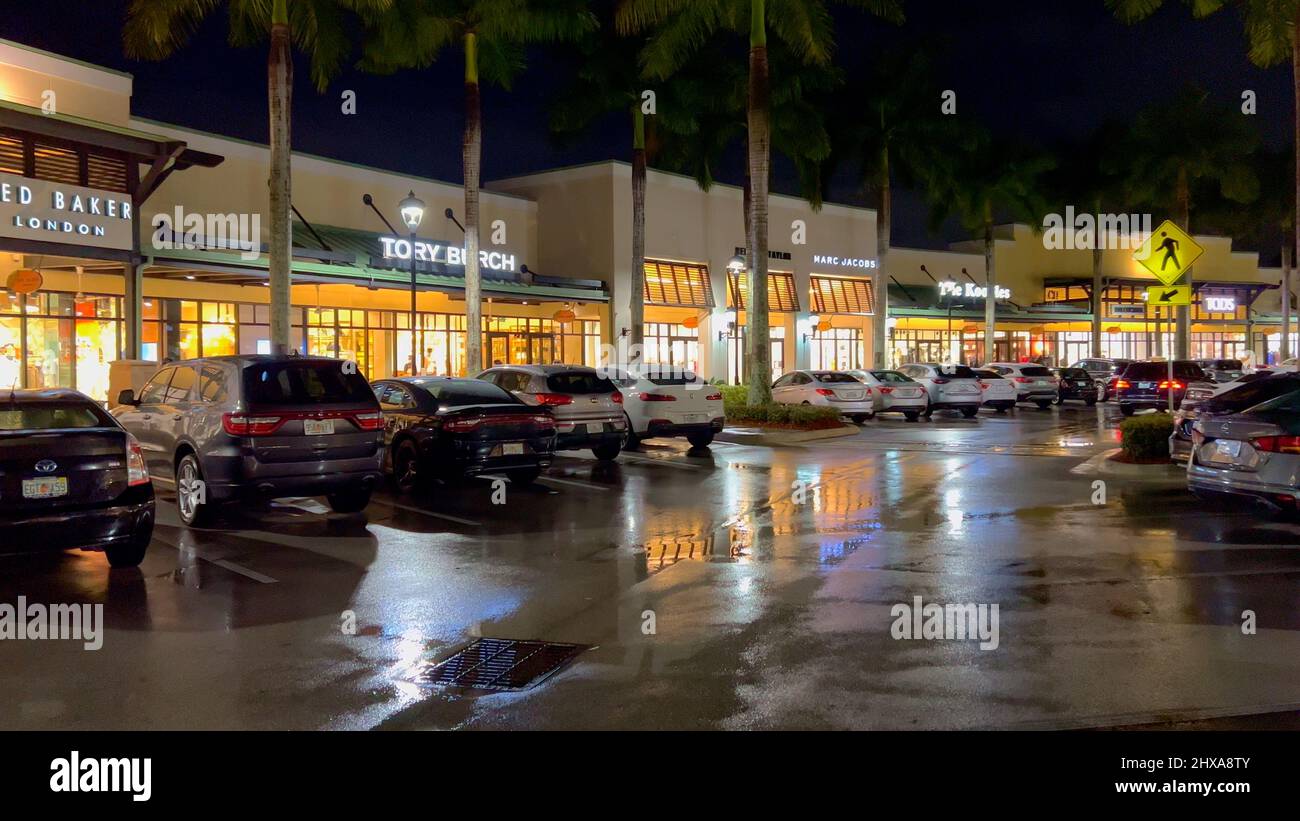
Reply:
x=318, y=427
x=512, y=449
x=695, y=417
x=595, y=427
x=850, y=394
x=1228, y=447
x=46, y=487
x=1146, y=385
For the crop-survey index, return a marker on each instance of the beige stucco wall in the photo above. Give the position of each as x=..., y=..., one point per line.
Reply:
x=79, y=89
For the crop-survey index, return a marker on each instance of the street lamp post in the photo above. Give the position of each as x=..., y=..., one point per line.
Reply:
x=412, y=209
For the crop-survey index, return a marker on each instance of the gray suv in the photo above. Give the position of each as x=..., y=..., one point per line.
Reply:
x=258, y=428
x=588, y=407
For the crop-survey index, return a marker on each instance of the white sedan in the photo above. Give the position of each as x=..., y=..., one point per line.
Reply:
x=667, y=401
x=893, y=392
x=834, y=389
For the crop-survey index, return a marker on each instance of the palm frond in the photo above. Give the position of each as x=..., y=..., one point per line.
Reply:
x=155, y=29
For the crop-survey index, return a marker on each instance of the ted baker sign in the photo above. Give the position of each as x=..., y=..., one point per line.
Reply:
x=54, y=212
x=441, y=252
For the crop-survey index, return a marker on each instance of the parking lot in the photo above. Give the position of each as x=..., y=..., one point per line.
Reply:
x=728, y=587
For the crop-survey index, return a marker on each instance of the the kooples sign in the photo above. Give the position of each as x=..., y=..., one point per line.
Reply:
x=443, y=253
x=55, y=212
x=971, y=290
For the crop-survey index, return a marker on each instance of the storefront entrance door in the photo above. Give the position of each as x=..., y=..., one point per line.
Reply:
x=498, y=349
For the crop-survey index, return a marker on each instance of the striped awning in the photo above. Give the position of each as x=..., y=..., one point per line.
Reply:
x=843, y=295
x=682, y=284
x=781, y=293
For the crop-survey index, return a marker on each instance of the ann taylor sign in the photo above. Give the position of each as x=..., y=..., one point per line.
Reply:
x=396, y=248
x=54, y=212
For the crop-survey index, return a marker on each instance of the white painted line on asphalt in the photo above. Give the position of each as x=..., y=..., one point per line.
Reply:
x=433, y=513
x=574, y=482
x=241, y=570
x=157, y=479
x=645, y=460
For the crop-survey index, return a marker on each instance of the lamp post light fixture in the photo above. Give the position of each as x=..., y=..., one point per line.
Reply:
x=412, y=211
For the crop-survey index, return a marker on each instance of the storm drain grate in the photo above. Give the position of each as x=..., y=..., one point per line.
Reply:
x=500, y=664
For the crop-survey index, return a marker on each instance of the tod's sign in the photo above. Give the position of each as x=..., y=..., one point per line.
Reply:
x=54, y=212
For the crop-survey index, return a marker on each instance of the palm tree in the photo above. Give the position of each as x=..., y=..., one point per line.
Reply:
x=977, y=180
x=683, y=27
x=1182, y=145
x=1093, y=181
x=895, y=134
x=156, y=29
x=492, y=36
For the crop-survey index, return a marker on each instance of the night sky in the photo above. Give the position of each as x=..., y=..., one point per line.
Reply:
x=1041, y=71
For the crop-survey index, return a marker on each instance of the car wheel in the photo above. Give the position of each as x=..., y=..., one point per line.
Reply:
x=859, y=418
x=191, y=493
x=1101, y=392
x=806, y=402
x=525, y=477
x=969, y=413
x=700, y=440
x=349, y=501
x=606, y=453
x=131, y=553
x=911, y=416
x=1056, y=400
x=406, y=468
x=1127, y=410
x=632, y=442
x=1043, y=404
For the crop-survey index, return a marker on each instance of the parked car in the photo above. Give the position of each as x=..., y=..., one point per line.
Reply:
x=1104, y=371
x=1147, y=384
x=1221, y=370
x=588, y=407
x=999, y=392
x=258, y=427
x=1076, y=383
x=1207, y=401
x=893, y=392
x=71, y=477
x=666, y=401
x=834, y=389
x=1255, y=454
x=441, y=427
x=1034, y=383
x=947, y=386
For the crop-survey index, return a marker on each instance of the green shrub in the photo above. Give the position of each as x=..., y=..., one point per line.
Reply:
x=1146, y=437
x=774, y=414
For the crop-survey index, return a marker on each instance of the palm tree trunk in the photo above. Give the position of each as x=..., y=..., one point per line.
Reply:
x=636, y=286
x=884, y=220
x=279, y=95
x=1098, y=289
x=1294, y=242
x=990, y=282
x=1288, y=261
x=1183, y=313
x=759, y=343
x=471, y=155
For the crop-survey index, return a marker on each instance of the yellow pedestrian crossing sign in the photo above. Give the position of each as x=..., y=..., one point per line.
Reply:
x=1168, y=253
x=1169, y=295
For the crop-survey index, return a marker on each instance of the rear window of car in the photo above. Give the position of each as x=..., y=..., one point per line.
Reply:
x=1035, y=370
x=988, y=374
x=890, y=376
x=956, y=371
x=1252, y=393
x=579, y=382
x=1225, y=364
x=832, y=377
x=305, y=383
x=53, y=416
x=467, y=392
x=1146, y=370
x=685, y=378
x=1074, y=373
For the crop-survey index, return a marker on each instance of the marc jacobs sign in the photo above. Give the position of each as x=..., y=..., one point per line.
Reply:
x=54, y=212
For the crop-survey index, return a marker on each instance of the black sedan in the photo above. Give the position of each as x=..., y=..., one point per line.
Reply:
x=71, y=477
x=447, y=428
x=1076, y=383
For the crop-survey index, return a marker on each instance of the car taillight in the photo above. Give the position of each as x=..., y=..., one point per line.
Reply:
x=137, y=473
x=1165, y=383
x=825, y=392
x=656, y=397
x=939, y=381
x=618, y=397
x=553, y=398
x=1277, y=444
x=240, y=424
x=1023, y=379
x=544, y=421
x=886, y=390
x=463, y=424
x=1121, y=384
x=984, y=386
x=714, y=397
x=369, y=421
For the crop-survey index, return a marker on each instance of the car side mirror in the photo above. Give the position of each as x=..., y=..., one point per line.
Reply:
x=127, y=397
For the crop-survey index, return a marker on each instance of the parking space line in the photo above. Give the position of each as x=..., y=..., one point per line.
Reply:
x=574, y=482
x=241, y=570
x=649, y=460
x=433, y=513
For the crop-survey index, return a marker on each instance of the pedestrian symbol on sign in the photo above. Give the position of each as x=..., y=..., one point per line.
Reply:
x=1168, y=253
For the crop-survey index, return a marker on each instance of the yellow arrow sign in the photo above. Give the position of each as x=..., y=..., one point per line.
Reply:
x=1170, y=295
x=1168, y=253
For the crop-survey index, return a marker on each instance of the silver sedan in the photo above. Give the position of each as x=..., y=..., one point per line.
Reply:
x=1253, y=454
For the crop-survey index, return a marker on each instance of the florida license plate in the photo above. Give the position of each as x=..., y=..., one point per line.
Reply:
x=1146, y=385
x=512, y=449
x=1228, y=447
x=595, y=428
x=47, y=487
x=318, y=427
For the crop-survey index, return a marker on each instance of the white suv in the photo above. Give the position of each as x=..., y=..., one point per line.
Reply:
x=1034, y=383
x=947, y=387
x=667, y=401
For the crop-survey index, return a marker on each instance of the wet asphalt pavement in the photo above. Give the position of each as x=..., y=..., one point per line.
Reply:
x=766, y=612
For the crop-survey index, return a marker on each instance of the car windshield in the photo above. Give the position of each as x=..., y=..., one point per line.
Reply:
x=309, y=382
x=890, y=376
x=832, y=377
x=462, y=392
x=579, y=382
x=52, y=416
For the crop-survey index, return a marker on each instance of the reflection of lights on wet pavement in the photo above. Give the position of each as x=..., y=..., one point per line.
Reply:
x=1075, y=443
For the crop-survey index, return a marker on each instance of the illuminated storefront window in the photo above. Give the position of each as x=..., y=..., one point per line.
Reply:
x=837, y=349
x=736, y=367
x=669, y=344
